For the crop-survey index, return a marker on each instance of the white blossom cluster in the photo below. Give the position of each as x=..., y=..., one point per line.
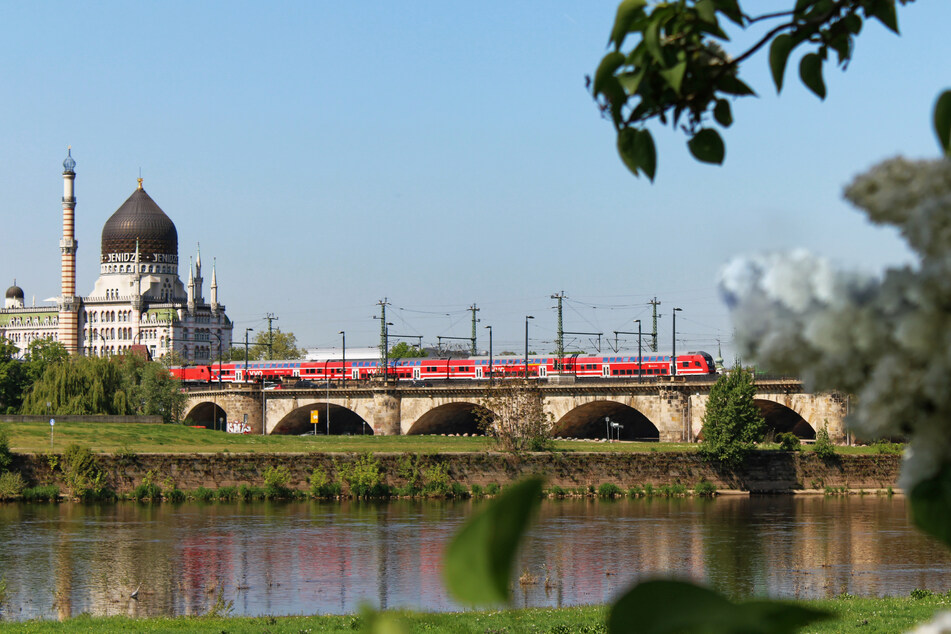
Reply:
x=886, y=340
x=940, y=624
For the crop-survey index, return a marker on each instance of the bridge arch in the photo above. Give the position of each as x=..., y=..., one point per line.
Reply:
x=589, y=421
x=451, y=418
x=343, y=421
x=207, y=413
x=781, y=419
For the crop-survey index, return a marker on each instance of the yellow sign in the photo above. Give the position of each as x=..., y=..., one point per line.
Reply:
x=314, y=416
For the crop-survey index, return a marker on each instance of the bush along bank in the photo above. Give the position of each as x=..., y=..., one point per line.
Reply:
x=79, y=474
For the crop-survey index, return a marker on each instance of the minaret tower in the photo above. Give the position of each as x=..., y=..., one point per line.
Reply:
x=68, y=302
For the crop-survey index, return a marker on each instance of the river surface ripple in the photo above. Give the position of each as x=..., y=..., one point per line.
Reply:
x=61, y=560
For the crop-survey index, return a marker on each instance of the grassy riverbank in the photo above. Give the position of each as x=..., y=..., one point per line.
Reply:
x=859, y=615
x=144, y=438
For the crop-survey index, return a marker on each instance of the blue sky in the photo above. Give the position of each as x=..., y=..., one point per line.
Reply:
x=438, y=154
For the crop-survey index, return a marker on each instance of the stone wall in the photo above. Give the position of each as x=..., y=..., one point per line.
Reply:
x=765, y=472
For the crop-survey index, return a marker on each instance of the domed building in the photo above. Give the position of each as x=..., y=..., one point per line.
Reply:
x=138, y=299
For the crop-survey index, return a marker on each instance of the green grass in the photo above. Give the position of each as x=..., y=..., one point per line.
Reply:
x=141, y=438
x=858, y=615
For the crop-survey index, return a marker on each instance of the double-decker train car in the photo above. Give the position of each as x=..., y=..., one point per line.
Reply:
x=466, y=368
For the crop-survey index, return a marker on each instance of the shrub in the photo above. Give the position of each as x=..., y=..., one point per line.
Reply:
x=789, y=441
x=885, y=447
x=6, y=456
x=609, y=490
x=408, y=470
x=918, y=593
x=126, y=456
x=477, y=490
x=493, y=489
x=364, y=477
x=48, y=493
x=227, y=493
x=705, y=488
x=437, y=479
x=321, y=486
x=82, y=475
x=147, y=489
x=557, y=492
x=458, y=490
x=673, y=490
x=247, y=492
x=11, y=485
x=204, y=495
x=649, y=490
x=635, y=492
x=823, y=446
x=175, y=495
x=275, y=482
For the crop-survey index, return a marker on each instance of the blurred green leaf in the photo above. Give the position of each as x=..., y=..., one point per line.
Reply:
x=722, y=113
x=707, y=146
x=931, y=505
x=652, y=41
x=637, y=150
x=707, y=11
x=674, y=75
x=668, y=607
x=627, y=12
x=779, y=52
x=942, y=121
x=479, y=560
x=609, y=63
x=731, y=9
x=373, y=622
x=810, y=70
x=884, y=12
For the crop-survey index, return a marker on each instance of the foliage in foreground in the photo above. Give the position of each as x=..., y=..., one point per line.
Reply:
x=668, y=64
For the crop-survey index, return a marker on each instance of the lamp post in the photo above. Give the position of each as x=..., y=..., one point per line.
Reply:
x=246, y=331
x=607, y=428
x=673, y=353
x=344, y=368
x=218, y=337
x=640, y=370
x=527, y=317
x=490, y=353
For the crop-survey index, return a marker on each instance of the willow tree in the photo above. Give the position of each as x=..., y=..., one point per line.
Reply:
x=123, y=385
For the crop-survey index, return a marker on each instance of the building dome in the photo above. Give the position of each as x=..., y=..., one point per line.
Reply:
x=14, y=292
x=139, y=222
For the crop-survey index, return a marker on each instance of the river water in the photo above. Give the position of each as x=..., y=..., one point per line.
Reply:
x=60, y=560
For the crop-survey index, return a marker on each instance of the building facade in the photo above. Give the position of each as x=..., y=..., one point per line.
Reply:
x=138, y=299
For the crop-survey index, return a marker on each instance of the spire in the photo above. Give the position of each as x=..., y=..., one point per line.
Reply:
x=214, y=285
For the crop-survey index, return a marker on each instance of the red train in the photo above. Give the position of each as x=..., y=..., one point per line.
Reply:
x=425, y=369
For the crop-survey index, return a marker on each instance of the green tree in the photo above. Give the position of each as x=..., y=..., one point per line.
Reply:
x=283, y=345
x=40, y=354
x=403, y=350
x=513, y=413
x=120, y=385
x=732, y=423
x=667, y=64
x=13, y=377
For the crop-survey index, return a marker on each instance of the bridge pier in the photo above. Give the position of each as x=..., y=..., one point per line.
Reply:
x=386, y=412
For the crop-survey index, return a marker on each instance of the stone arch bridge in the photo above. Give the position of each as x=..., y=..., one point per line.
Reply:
x=664, y=410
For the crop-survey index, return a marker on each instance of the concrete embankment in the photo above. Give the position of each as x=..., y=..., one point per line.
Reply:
x=764, y=472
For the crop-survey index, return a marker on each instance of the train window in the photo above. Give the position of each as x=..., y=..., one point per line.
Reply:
x=696, y=364
x=685, y=364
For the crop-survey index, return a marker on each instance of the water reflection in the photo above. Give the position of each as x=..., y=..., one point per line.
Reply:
x=311, y=557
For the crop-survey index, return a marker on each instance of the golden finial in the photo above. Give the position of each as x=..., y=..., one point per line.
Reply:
x=140, y=182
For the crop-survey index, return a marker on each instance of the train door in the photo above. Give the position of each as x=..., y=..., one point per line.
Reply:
x=416, y=372
x=354, y=373
x=239, y=375
x=605, y=370
x=478, y=371
x=542, y=371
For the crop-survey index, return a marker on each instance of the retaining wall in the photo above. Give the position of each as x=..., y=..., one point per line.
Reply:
x=764, y=472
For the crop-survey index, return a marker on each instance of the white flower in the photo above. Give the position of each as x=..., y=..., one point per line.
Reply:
x=886, y=340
